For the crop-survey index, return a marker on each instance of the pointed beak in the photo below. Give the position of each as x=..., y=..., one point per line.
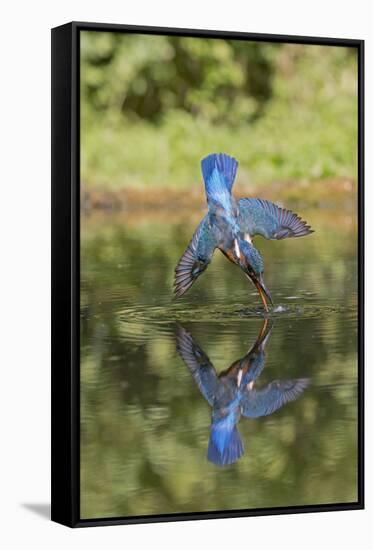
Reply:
x=263, y=292
x=264, y=335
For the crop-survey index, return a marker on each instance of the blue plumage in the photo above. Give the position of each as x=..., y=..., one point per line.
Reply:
x=252, y=256
x=272, y=397
x=217, y=192
x=262, y=217
x=218, y=172
x=225, y=445
x=225, y=165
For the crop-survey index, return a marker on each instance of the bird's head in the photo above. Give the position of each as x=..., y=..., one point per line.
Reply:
x=251, y=262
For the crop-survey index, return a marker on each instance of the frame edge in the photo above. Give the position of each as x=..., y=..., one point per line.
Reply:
x=65, y=270
x=63, y=487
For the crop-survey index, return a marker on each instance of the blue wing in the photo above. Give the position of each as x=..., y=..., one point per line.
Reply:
x=263, y=402
x=262, y=217
x=199, y=365
x=196, y=258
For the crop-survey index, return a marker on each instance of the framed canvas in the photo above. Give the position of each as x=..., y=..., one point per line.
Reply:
x=207, y=274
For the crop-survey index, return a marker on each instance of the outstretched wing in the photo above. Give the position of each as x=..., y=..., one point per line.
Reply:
x=257, y=403
x=196, y=258
x=262, y=217
x=198, y=363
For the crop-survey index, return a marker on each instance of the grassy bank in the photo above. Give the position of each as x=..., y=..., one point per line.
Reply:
x=326, y=194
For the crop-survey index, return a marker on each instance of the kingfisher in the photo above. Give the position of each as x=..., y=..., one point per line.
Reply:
x=230, y=226
x=233, y=393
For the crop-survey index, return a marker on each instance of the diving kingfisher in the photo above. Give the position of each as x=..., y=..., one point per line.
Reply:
x=234, y=393
x=230, y=226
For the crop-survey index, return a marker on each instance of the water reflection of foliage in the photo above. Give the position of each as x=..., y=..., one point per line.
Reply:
x=144, y=426
x=142, y=257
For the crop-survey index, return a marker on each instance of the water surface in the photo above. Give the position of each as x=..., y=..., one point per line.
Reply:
x=145, y=425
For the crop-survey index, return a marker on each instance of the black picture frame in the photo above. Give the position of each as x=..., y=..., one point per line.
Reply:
x=66, y=273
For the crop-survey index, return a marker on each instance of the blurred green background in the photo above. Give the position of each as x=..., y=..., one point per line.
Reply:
x=153, y=106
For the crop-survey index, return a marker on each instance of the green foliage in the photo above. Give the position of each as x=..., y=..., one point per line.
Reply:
x=146, y=76
x=153, y=106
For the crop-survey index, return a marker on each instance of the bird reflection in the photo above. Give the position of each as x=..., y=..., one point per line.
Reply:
x=233, y=393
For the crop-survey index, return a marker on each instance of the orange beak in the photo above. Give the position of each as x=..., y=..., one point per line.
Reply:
x=263, y=292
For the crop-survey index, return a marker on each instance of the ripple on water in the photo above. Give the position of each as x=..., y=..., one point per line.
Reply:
x=163, y=315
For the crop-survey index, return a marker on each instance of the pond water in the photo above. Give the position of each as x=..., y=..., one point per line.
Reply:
x=145, y=421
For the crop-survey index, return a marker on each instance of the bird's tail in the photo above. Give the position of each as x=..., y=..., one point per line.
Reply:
x=225, y=446
x=225, y=165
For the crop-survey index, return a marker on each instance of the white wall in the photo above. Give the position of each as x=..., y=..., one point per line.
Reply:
x=25, y=254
